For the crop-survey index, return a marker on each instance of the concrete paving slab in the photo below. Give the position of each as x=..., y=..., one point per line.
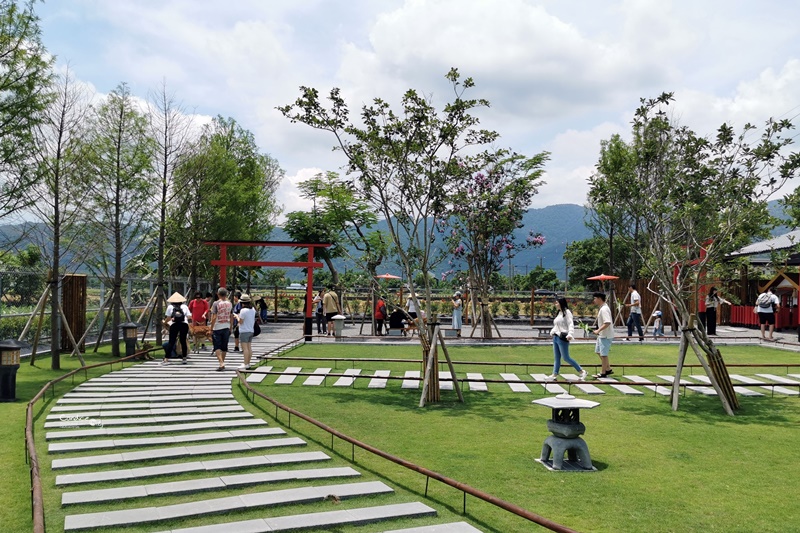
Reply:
x=772, y=388
x=164, y=411
x=445, y=380
x=103, y=495
x=377, y=382
x=139, y=430
x=744, y=391
x=658, y=389
x=108, y=421
x=412, y=380
x=552, y=388
x=289, y=375
x=347, y=380
x=453, y=527
x=143, y=405
x=707, y=391
x=286, y=475
x=585, y=387
x=624, y=389
x=318, y=377
x=258, y=375
x=80, y=522
x=476, y=386
x=512, y=380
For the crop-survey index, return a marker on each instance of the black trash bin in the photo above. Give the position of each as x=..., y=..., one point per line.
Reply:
x=9, y=364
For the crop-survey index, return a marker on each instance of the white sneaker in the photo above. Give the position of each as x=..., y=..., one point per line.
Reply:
x=163, y=362
x=551, y=377
x=242, y=367
x=584, y=373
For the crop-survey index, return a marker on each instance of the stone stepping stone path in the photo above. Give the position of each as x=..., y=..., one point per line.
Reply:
x=663, y=391
x=708, y=391
x=551, y=387
x=318, y=377
x=347, y=380
x=258, y=375
x=289, y=375
x=413, y=383
x=446, y=380
x=512, y=380
x=103, y=436
x=624, y=389
x=744, y=391
x=479, y=386
x=588, y=388
x=378, y=381
x=772, y=388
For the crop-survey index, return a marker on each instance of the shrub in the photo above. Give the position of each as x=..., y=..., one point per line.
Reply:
x=512, y=308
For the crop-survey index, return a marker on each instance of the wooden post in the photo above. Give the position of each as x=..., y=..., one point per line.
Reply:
x=456, y=384
x=676, y=385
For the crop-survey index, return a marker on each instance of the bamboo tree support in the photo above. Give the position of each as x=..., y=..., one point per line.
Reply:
x=676, y=384
x=39, y=304
x=456, y=384
x=39, y=325
x=430, y=383
x=71, y=338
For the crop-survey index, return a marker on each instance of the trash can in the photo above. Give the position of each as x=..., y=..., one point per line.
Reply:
x=338, y=325
x=9, y=364
x=129, y=333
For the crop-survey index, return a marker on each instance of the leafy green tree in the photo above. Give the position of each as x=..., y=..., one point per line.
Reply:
x=487, y=210
x=541, y=278
x=590, y=257
x=25, y=92
x=118, y=207
x=698, y=199
x=404, y=164
x=225, y=190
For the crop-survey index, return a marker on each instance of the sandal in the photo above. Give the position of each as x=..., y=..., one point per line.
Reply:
x=220, y=369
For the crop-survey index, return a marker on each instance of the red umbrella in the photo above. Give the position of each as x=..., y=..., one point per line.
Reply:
x=387, y=276
x=603, y=277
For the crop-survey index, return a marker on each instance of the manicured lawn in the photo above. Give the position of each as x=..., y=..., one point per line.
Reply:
x=692, y=470
x=15, y=499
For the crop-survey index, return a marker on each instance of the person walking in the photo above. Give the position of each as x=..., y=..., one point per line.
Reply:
x=262, y=309
x=221, y=326
x=178, y=331
x=604, y=330
x=658, y=325
x=330, y=305
x=458, y=309
x=563, y=332
x=322, y=326
x=635, y=318
x=247, y=323
x=380, y=315
x=237, y=306
x=198, y=308
x=766, y=306
x=713, y=301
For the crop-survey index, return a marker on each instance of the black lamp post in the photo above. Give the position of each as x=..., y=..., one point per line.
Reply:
x=129, y=333
x=9, y=364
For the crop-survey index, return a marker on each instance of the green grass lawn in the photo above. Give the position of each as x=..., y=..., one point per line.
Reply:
x=658, y=470
x=15, y=498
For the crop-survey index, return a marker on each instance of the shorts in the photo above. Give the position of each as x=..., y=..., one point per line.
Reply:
x=602, y=346
x=219, y=338
x=329, y=316
x=766, y=318
x=246, y=336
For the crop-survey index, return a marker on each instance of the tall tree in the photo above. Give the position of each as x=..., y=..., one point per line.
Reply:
x=404, y=164
x=171, y=129
x=59, y=191
x=699, y=199
x=25, y=92
x=225, y=190
x=119, y=153
x=487, y=211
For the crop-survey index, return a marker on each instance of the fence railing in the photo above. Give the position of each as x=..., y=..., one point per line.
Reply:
x=31, y=457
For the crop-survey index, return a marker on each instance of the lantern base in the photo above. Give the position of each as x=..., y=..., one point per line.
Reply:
x=578, y=458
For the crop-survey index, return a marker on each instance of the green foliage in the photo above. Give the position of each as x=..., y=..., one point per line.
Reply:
x=512, y=308
x=25, y=91
x=541, y=278
x=590, y=257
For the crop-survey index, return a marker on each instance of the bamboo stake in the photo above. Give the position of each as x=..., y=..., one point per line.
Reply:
x=69, y=334
x=456, y=384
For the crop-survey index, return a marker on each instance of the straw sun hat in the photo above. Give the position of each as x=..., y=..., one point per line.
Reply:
x=176, y=298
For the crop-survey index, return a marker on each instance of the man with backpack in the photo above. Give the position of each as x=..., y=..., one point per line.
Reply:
x=766, y=306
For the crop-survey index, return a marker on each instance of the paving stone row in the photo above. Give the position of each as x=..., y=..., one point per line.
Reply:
x=173, y=405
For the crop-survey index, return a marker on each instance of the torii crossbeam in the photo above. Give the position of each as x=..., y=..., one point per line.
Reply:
x=223, y=263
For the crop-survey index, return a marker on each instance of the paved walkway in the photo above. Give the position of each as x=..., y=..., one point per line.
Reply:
x=168, y=445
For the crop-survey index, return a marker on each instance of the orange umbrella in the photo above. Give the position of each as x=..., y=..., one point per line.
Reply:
x=387, y=276
x=603, y=277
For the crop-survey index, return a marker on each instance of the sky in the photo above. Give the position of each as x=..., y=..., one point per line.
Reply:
x=560, y=75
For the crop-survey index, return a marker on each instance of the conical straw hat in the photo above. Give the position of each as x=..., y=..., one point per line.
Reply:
x=176, y=298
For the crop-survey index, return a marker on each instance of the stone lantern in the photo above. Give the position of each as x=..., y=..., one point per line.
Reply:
x=566, y=428
x=129, y=333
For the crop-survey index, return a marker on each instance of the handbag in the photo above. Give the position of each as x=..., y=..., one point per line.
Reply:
x=256, y=330
x=563, y=336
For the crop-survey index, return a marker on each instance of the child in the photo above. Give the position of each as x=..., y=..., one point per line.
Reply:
x=658, y=325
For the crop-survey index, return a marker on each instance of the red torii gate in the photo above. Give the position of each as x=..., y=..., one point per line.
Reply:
x=223, y=262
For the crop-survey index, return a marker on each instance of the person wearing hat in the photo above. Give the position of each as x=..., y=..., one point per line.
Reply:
x=178, y=331
x=658, y=325
x=176, y=302
x=458, y=308
x=246, y=318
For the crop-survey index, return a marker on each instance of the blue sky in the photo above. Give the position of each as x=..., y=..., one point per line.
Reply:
x=561, y=75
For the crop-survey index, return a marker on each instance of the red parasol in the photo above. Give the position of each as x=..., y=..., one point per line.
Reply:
x=387, y=276
x=603, y=277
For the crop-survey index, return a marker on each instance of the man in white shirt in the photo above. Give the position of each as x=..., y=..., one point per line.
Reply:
x=604, y=330
x=766, y=305
x=635, y=319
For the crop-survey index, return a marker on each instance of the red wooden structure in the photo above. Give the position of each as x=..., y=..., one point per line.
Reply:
x=223, y=263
